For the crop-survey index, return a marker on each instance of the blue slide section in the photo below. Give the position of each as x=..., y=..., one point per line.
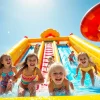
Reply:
x=64, y=52
x=30, y=50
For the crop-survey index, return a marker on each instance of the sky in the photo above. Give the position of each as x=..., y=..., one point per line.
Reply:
x=19, y=18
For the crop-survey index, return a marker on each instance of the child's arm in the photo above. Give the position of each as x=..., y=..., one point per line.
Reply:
x=50, y=88
x=77, y=71
x=71, y=85
x=14, y=69
x=17, y=75
x=94, y=65
x=41, y=78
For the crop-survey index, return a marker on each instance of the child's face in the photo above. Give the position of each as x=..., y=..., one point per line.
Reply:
x=50, y=59
x=72, y=52
x=83, y=59
x=57, y=76
x=6, y=61
x=32, y=62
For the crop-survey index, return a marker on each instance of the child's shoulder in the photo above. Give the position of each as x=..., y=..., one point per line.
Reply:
x=37, y=69
x=13, y=67
x=79, y=65
x=92, y=63
x=66, y=81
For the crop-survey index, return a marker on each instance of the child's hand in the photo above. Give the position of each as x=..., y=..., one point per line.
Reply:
x=31, y=84
x=10, y=82
x=75, y=76
x=9, y=85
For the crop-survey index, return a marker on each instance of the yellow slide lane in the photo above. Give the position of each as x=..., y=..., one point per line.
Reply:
x=19, y=50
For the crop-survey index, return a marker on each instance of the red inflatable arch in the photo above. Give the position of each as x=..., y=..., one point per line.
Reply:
x=90, y=25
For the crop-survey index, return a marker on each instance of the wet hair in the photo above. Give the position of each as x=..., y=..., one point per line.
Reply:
x=72, y=51
x=53, y=67
x=83, y=53
x=24, y=64
x=1, y=59
x=50, y=57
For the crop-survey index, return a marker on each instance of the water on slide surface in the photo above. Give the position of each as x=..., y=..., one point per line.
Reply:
x=64, y=52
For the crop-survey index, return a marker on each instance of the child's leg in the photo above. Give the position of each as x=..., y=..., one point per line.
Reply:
x=21, y=91
x=32, y=90
x=2, y=87
x=83, y=78
x=71, y=62
x=90, y=72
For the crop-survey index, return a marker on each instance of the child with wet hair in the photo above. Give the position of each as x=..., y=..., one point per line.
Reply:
x=86, y=66
x=7, y=71
x=30, y=75
x=58, y=85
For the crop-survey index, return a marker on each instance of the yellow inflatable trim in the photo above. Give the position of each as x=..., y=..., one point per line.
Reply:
x=90, y=97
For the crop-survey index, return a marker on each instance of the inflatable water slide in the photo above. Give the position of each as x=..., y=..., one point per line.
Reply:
x=51, y=43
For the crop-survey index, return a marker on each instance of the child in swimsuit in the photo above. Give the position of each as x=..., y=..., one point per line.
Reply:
x=58, y=85
x=72, y=57
x=50, y=61
x=31, y=75
x=6, y=73
x=86, y=66
x=36, y=48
